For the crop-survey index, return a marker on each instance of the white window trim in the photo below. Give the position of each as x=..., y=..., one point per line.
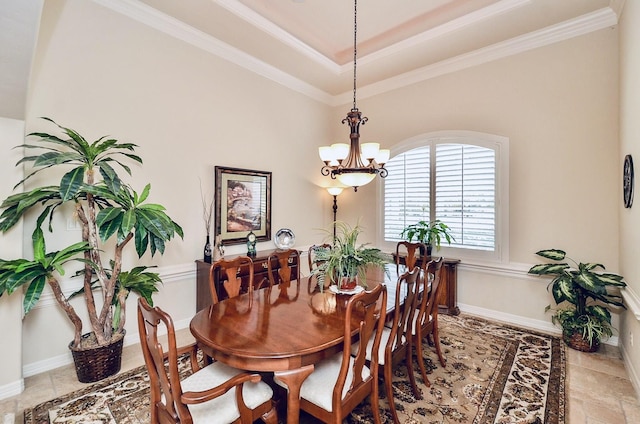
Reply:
x=501, y=146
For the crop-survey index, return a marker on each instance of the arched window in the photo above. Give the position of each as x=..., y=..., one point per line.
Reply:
x=458, y=177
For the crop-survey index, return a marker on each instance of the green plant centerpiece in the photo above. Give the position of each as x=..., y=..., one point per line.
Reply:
x=345, y=263
x=587, y=290
x=111, y=215
x=431, y=233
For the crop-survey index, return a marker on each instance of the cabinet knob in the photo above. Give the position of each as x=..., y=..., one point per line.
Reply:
x=264, y=265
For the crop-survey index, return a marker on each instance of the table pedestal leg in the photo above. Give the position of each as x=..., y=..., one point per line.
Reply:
x=293, y=379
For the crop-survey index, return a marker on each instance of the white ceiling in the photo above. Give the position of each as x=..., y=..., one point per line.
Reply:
x=308, y=44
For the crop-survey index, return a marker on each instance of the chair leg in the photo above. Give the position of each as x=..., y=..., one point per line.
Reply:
x=270, y=417
x=388, y=388
x=436, y=340
x=412, y=378
x=375, y=402
x=420, y=360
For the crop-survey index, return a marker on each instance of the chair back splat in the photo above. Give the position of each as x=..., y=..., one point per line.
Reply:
x=411, y=252
x=286, y=273
x=228, y=271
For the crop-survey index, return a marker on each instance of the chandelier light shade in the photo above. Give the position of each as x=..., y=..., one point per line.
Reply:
x=354, y=164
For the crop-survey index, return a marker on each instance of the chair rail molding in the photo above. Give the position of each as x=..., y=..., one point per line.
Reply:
x=631, y=300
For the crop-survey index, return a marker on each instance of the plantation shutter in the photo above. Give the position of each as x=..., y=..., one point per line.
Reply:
x=406, y=191
x=465, y=195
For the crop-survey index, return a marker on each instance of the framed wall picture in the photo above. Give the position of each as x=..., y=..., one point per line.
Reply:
x=243, y=204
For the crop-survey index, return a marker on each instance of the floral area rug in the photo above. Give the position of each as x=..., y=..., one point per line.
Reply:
x=495, y=374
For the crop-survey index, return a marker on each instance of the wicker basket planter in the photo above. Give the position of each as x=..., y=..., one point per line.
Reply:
x=577, y=342
x=97, y=363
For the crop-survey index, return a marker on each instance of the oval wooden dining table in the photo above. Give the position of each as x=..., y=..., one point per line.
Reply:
x=284, y=329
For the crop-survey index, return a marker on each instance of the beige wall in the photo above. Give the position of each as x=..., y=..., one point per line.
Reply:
x=558, y=105
x=11, y=383
x=104, y=74
x=630, y=218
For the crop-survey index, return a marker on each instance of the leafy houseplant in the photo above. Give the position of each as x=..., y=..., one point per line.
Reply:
x=345, y=262
x=108, y=210
x=429, y=233
x=588, y=320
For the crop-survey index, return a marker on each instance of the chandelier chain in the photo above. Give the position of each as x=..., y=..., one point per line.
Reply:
x=355, y=48
x=352, y=164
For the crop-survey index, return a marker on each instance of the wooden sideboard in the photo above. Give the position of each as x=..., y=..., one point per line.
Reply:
x=260, y=276
x=448, y=302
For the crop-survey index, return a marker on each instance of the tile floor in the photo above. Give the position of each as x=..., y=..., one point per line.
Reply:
x=598, y=387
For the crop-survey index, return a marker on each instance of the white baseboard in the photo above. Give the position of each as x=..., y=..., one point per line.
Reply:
x=533, y=324
x=633, y=373
x=12, y=389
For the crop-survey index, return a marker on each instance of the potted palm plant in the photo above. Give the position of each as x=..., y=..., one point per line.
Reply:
x=586, y=319
x=111, y=214
x=431, y=233
x=346, y=262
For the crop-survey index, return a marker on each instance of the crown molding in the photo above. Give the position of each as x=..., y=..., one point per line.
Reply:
x=617, y=6
x=255, y=19
x=594, y=21
x=258, y=21
x=600, y=19
x=442, y=30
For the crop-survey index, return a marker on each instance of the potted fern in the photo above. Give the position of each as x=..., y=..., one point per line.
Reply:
x=346, y=262
x=586, y=291
x=111, y=213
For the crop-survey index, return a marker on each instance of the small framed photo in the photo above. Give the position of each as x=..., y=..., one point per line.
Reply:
x=243, y=204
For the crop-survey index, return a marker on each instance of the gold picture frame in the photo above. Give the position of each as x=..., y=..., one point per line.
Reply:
x=243, y=204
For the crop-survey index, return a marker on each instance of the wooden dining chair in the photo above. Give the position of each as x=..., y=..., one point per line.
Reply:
x=410, y=252
x=231, y=281
x=216, y=393
x=340, y=383
x=312, y=253
x=426, y=320
x=396, y=343
x=286, y=273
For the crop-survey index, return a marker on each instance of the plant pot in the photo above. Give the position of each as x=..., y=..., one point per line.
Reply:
x=99, y=362
x=348, y=283
x=576, y=341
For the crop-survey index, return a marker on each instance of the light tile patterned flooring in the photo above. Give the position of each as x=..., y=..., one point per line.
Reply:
x=598, y=387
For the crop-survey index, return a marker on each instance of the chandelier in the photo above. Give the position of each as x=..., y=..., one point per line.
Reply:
x=354, y=165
